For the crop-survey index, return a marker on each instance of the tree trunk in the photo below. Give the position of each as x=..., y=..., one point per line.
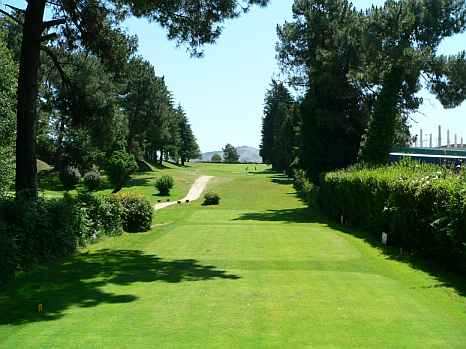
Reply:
x=26, y=114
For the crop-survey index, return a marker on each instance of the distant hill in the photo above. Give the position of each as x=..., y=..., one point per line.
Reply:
x=246, y=154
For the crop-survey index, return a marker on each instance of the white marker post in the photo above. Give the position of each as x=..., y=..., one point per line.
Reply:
x=384, y=239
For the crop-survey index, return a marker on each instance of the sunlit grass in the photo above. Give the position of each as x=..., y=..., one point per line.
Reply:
x=260, y=270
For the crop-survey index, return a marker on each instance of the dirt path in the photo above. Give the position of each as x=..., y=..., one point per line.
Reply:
x=194, y=193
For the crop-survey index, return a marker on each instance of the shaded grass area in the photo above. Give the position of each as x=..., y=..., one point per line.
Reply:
x=78, y=281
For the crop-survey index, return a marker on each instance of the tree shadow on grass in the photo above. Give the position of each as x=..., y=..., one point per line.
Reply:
x=137, y=182
x=293, y=215
x=79, y=280
x=443, y=276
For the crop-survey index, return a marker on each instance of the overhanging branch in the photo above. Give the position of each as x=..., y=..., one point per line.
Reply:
x=15, y=8
x=57, y=65
x=54, y=22
x=48, y=37
x=14, y=19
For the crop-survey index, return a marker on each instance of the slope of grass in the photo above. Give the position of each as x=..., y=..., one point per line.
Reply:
x=141, y=182
x=260, y=270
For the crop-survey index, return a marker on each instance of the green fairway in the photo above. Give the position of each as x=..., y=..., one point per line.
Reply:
x=259, y=270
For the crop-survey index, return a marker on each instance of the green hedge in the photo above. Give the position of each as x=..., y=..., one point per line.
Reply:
x=305, y=189
x=137, y=212
x=421, y=207
x=35, y=232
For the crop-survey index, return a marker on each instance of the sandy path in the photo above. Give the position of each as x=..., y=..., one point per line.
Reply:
x=194, y=193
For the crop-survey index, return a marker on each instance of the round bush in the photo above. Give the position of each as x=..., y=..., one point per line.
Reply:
x=164, y=184
x=92, y=180
x=119, y=168
x=211, y=198
x=137, y=213
x=70, y=177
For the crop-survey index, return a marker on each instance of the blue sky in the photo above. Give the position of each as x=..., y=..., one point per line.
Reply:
x=223, y=92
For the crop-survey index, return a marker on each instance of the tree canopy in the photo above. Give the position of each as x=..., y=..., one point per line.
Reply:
x=359, y=73
x=92, y=26
x=230, y=154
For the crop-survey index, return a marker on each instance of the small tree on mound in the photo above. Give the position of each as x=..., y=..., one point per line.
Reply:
x=119, y=169
x=216, y=158
x=230, y=154
x=164, y=184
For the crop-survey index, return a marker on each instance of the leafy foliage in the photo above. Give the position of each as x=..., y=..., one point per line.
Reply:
x=37, y=232
x=216, y=158
x=119, y=168
x=280, y=128
x=421, y=207
x=360, y=72
x=137, y=212
x=8, y=75
x=211, y=198
x=164, y=184
x=230, y=154
x=70, y=177
x=317, y=50
x=92, y=180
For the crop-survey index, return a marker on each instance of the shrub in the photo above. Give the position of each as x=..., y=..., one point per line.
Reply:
x=421, y=207
x=105, y=213
x=211, y=198
x=305, y=189
x=137, y=212
x=33, y=232
x=92, y=180
x=216, y=158
x=164, y=184
x=119, y=168
x=70, y=177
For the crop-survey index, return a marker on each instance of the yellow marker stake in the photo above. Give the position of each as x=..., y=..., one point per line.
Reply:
x=40, y=308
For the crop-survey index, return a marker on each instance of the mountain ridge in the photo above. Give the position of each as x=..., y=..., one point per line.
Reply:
x=246, y=154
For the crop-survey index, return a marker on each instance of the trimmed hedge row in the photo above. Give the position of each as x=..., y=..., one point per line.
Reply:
x=35, y=232
x=421, y=207
x=305, y=189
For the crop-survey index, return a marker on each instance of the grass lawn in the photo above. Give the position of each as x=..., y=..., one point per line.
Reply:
x=260, y=270
x=143, y=183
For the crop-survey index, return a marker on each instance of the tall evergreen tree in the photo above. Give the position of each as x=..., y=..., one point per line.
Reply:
x=189, y=148
x=92, y=24
x=230, y=154
x=318, y=50
x=278, y=128
x=400, y=40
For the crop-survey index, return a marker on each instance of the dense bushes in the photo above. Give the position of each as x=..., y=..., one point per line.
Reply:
x=70, y=177
x=164, y=184
x=119, y=168
x=137, y=212
x=211, y=198
x=421, y=207
x=305, y=189
x=92, y=180
x=36, y=232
